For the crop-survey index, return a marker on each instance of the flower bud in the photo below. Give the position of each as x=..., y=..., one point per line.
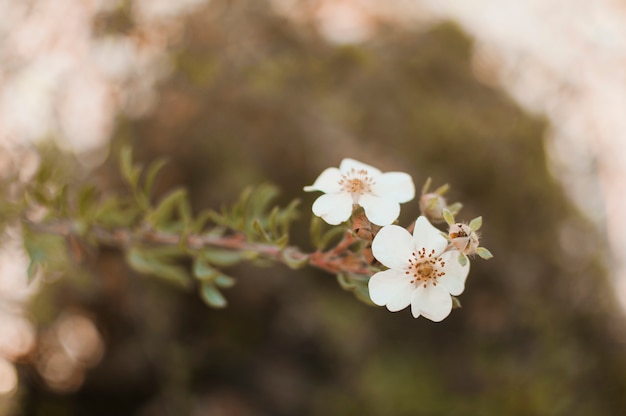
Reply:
x=463, y=238
x=432, y=206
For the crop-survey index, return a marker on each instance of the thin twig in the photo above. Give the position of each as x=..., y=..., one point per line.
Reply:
x=337, y=260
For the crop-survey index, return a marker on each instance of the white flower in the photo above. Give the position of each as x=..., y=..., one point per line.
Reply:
x=422, y=273
x=380, y=194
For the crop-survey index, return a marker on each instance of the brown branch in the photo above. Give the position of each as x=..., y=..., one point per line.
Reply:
x=339, y=259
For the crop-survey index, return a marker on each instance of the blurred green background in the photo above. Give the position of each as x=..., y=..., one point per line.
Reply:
x=254, y=98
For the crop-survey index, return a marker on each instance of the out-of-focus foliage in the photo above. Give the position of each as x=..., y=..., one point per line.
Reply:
x=255, y=99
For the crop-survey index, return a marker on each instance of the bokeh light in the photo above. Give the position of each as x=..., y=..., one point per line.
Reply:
x=8, y=377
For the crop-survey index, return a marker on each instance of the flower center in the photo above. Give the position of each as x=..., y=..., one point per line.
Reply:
x=425, y=268
x=356, y=182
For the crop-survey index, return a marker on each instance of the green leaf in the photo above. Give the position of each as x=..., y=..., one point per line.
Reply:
x=282, y=241
x=287, y=215
x=129, y=171
x=203, y=271
x=272, y=223
x=176, y=201
x=345, y=281
x=462, y=259
x=60, y=200
x=357, y=284
x=223, y=258
x=448, y=217
x=40, y=196
x=455, y=208
x=294, y=259
x=37, y=256
x=426, y=185
x=212, y=296
x=151, y=173
x=315, y=231
x=334, y=233
x=147, y=263
x=484, y=253
x=362, y=293
x=86, y=201
x=198, y=225
x=45, y=251
x=432, y=203
x=114, y=212
x=260, y=199
x=456, y=303
x=476, y=223
x=442, y=189
x=224, y=281
x=260, y=231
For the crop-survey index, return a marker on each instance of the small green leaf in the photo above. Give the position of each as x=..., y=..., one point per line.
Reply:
x=456, y=303
x=282, y=241
x=260, y=231
x=334, y=233
x=60, y=200
x=462, y=259
x=272, y=223
x=448, y=217
x=147, y=263
x=129, y=171
x=362, y=293
x=287, y=215
x=151, y=173
x=315, y=231
x=212, y=296
x=175, y=201
x=198, y=225
x=46, y=252
x=426, y=186
x=37, y=256
x=476, y=223
x=455, y=208
x=223, y=258
x=113, y=212
x=295, y=260
x=442, y=189
x=86, y=200
x=432, y=203
x=484, y=253
x=203, y=271
x=224, y=281
x=345, y=281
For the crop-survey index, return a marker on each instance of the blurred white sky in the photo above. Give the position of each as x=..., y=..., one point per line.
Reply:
x=564, y=59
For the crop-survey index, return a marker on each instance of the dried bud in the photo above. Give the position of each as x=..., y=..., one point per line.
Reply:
x=463, y=238
x=363, y=228
x=432, y=206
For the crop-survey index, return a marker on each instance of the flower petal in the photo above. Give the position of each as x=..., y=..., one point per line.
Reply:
x=432, y=302
x=393, y=246
x=333, y=208
x=455, y=274
x=396, y=186
x=380, y=211
x=347, y=164
x=327, y=182
x=428, y=237
x=391, y=288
